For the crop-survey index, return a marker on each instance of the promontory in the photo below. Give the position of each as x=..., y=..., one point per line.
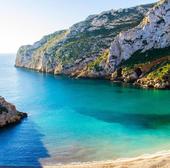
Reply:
x=9, y=114
x=126, y=45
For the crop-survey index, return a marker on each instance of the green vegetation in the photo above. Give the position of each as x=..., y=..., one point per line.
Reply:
x=84, y=40
x=154, y=65
x=161, y=73
x=76, y=48
x=95, y=65
x=146, y=57
x=126, y=70
x=51, y=40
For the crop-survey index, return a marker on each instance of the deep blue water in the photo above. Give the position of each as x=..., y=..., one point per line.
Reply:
x=79, y=120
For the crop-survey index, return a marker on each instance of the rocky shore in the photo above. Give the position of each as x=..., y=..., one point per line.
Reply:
x=133, y=43
x=9, y=114
x=153, y=74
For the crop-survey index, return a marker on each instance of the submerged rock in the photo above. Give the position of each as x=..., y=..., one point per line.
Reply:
x=9, y=114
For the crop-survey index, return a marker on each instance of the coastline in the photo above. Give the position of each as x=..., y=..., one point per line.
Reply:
x=157, y=160
x=109, y=79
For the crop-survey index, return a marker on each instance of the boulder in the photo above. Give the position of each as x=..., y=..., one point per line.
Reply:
x=131, y=78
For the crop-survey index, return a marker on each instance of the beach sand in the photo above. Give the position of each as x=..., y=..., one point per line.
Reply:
x=158, y=160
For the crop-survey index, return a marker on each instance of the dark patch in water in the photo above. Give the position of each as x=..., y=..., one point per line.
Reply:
x=143, y=121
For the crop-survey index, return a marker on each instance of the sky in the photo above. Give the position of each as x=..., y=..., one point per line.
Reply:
x=26, y=21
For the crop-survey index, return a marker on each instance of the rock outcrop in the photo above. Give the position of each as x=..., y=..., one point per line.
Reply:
x=141, y=55
x=68, y=51
x=152, y=33
x=9, y=114
x=147, y=47
x=128, y=45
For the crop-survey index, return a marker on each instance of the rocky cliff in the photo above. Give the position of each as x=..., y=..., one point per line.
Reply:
x=145, y=48
x=9, y=114
x=129, y=45
x=67, y=51
x=152, y=32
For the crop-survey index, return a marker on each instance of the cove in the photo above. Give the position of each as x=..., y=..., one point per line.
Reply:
x=79, y=120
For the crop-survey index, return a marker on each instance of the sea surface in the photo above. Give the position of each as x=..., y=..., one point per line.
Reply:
x=80, y=120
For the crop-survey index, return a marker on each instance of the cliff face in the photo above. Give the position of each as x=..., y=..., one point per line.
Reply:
x=152, y=33
x=67, y=51
x=129, y=45
x=9, y=114
x=41, y=55
x=142, y=54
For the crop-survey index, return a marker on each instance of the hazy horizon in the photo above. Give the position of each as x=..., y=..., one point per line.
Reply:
x=24, y=22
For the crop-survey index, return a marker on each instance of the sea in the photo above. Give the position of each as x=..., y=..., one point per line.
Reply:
x=79, y=120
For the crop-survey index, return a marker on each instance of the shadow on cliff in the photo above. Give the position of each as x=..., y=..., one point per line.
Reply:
x=140, y=121
x=21, y=145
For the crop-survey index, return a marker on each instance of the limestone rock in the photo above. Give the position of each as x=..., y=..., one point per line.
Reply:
x=134, y=40
x=67, y=51
x=9, y=113
x=152, y=32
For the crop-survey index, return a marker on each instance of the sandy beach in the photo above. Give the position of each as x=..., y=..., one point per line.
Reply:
x=158, y=160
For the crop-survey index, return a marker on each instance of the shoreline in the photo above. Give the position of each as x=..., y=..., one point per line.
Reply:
x=158, y=160
x=106, y=78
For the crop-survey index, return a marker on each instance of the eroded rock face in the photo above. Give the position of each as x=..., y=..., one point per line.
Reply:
x=135, y=40
x=9, y=113
x=67, y=51
x=152, y=32
x=40, y=55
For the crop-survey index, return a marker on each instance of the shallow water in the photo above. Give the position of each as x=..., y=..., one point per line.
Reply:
x=79, y=120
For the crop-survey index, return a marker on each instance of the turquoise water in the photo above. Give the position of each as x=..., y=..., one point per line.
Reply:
x=79, y=120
